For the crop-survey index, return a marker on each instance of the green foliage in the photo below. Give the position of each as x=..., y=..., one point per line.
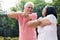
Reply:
x=39, y=5
x=58, y=19
x=2, y=12
x=9, y=38
x=8, y=26
x=57, y=5
x=13, y=9
x=12, y=23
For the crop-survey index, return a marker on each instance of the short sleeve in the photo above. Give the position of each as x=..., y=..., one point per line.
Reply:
x=34, y=16
x=51, y=18
x=17, y=17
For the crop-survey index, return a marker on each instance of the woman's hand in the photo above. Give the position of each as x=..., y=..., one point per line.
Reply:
x=33, y=23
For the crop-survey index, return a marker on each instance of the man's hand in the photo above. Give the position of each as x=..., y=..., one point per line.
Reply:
x=28, y=16
x=25, y=15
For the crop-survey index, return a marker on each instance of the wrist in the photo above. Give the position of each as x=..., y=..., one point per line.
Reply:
x=38, y=22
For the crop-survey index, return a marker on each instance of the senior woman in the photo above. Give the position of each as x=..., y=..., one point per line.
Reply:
x=47, y=25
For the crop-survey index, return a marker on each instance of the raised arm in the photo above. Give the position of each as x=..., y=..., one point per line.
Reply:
x=44, y=22
x=14, y=14
x=41, y=22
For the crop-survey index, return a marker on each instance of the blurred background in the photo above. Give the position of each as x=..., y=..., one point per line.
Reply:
x=9, y=28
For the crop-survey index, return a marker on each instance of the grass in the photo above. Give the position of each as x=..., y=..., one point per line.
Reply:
x=8, y=38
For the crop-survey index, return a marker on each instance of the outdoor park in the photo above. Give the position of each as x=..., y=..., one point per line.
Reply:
x=9, y=28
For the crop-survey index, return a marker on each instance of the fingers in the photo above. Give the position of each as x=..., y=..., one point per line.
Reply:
x=25, y=15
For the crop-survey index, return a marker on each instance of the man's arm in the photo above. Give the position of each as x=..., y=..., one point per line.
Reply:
x=14, y=14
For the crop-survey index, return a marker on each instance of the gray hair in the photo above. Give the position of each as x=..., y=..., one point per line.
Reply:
x=28, y=4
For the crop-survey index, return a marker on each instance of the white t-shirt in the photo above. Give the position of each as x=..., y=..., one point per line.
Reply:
x=48, y=32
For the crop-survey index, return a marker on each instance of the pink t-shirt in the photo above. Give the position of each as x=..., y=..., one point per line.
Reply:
x=25, y=32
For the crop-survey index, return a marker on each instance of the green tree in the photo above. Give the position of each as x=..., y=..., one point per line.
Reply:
x=57, y=5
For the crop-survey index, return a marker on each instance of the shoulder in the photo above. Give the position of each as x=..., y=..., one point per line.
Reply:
x=34, y=14
x=52, y=18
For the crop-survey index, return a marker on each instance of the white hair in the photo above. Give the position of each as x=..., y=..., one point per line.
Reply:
x=28, y=4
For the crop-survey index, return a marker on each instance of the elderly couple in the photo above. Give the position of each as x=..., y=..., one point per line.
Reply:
x=28, y=22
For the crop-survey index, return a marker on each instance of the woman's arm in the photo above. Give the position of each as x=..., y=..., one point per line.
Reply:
x=44, y=22
x=41, y=22
x=33, y=23
x=48, y=20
